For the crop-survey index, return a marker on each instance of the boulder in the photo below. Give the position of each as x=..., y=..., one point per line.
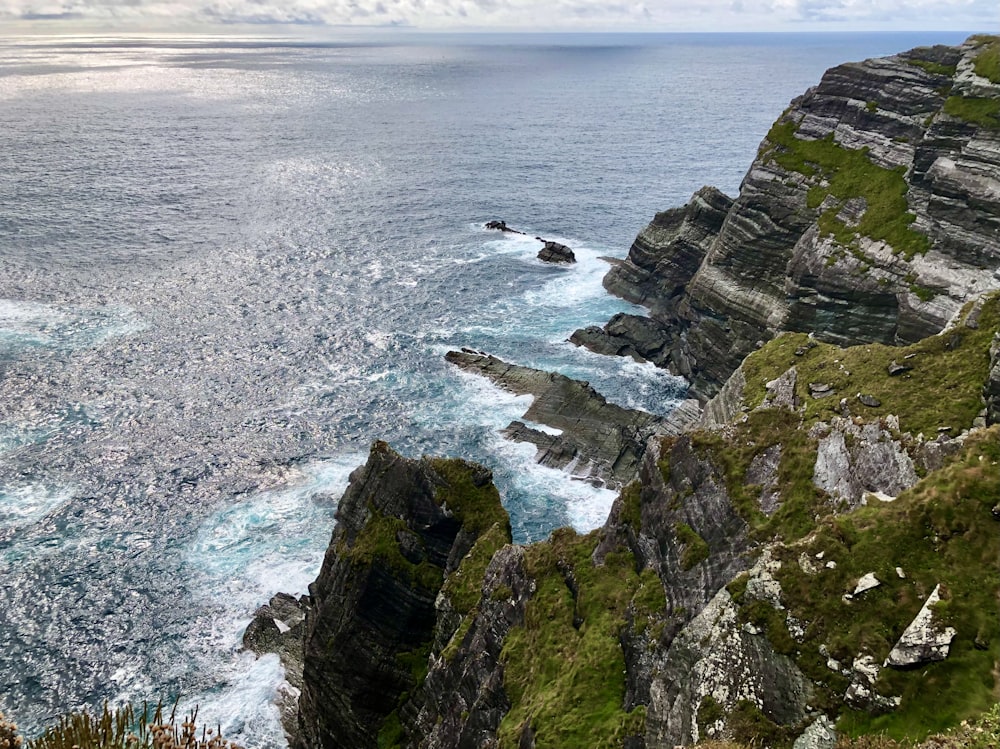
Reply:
x=925, y=640
x=553, y=252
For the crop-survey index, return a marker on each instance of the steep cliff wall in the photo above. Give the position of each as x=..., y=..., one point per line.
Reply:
x=871, y=214
x=817, y=555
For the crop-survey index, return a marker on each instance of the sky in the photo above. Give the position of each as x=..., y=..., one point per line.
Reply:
x=88, y=16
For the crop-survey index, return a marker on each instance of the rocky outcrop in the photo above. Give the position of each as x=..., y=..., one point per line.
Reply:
x=279, y=627
x=853, y=460
x=596, y=439
x=869, y=215
x=463, y=700
x=501, y=226
x=553, y=252
x=403, y=526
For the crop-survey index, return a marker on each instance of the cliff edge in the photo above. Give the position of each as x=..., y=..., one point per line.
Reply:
x=870, y=214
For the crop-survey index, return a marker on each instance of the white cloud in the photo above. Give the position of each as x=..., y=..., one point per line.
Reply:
x=658, y=15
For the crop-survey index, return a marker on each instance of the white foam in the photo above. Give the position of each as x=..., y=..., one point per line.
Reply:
x=586, y=506
x=244, y=706
x=24, y=505
x=33, y=323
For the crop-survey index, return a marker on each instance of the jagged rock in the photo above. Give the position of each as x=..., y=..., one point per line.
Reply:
x=867, y=582
x=640, y=338
x=763, y=471
x=820, y=389
x=598, y=439
x=370, y=604
x=714, y=655
x=861, y=692
x=279, y=627
x=873, y=461
x=553, y=252
x=501, y=226
x=462, y=700
x=925, y=640
x=821, y=734
x=781, y=391
x=869, y=400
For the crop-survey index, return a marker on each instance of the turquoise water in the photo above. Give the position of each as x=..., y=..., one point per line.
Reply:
x=228, y=267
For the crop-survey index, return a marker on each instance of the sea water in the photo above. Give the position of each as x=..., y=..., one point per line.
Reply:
x=228, y=265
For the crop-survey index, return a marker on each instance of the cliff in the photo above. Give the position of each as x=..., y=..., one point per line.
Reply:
x=871, y=214
x=814, y=557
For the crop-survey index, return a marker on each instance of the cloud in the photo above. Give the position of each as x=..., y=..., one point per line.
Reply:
x=660, y=15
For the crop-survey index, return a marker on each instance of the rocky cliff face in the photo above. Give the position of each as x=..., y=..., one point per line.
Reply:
x=403, y=528
x=871, y=214
x=816, y=554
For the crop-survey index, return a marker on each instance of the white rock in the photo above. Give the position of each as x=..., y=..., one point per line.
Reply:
x=900, y=574
x=282, y=627
x=820, y=735
x=924, y=640
x=831, y=565
x=867, y=582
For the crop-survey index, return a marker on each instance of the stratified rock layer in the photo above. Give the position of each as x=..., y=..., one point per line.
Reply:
x=871, y=213
x=596, y=439
x=402, y=527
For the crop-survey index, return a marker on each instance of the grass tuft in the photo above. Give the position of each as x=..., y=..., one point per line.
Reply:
x=128, y=728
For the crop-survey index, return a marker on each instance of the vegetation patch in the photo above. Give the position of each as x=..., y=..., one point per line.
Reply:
x=943, y=388
x=123, y=728
x=978, y=111
x=695, y=549
x=379, y=541
x=987, y=62
x=564, y=669
x=934, y=68
x=940, y=532
x=469, y=493
x=733, y=452
x=464, y=586
x=845, y=173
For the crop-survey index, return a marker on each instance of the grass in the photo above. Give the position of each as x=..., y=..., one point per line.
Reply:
x=941, y=531
x=464, y=586
x=564, y=669
x=934, y=68
x=978, y=111
x=943, y=388
x=845, y=173
x=695, y=549
x=125, y=728
x=987, y=62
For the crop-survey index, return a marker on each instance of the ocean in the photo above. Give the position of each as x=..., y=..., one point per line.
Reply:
x=229, y=265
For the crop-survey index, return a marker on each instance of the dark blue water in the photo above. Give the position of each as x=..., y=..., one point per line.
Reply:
x=228, y=267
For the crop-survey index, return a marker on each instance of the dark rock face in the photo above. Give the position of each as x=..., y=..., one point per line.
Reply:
x=279, y=627
x=601, y=440
x=719, y=276
x=553, y=252
x=501, y=226
x=463, y=700
x=991, y=390
x=400, y=531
